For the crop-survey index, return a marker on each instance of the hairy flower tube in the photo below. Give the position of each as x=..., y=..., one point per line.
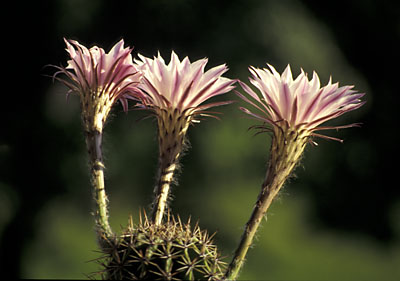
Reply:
x=175, y=93
x=100, y=80
x=292, y=111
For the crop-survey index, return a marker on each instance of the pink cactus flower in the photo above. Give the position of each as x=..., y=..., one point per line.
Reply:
x=181, y=85
x=100, y=79
x=175, y=94
x=299, y=104
x=292, y=110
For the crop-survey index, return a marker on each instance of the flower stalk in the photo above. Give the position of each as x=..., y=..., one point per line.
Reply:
x=286, y=150
x=172, y=128
x=174, y=95
x=100, y=79
x=96, y=166
x=292, y=111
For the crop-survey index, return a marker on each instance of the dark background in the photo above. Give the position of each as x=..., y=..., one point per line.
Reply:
x=338, y=219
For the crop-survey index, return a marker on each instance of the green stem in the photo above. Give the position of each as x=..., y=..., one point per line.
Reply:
x=265, y=198
x=286, y=150
x=164, y=181
x=172, y=127
x=93, y=142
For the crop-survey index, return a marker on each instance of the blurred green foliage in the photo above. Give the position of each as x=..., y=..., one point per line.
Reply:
x=338, y=219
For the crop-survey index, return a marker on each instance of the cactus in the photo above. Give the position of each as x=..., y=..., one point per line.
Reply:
x=291, y=110
x=168, y=251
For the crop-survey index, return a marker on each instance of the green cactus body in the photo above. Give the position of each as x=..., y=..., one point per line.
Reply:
x=169, y=251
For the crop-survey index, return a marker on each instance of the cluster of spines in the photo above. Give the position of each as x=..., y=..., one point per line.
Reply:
x=169, y=251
